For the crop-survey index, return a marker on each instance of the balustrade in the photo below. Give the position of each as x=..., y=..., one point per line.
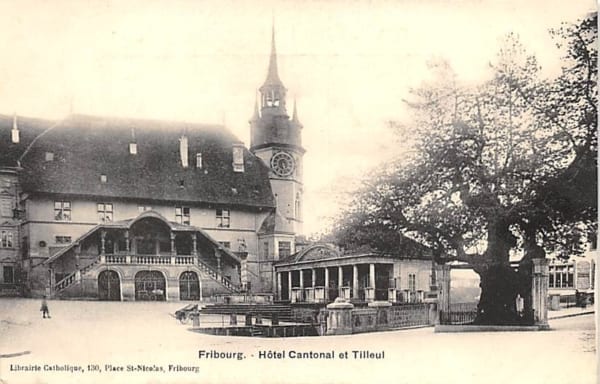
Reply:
x=319, y=294
x=148, y=259
x=297, y=295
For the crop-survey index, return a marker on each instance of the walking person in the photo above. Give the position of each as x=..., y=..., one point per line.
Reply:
x=44, y=308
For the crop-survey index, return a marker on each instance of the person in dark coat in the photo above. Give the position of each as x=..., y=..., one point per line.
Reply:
x=44, y=308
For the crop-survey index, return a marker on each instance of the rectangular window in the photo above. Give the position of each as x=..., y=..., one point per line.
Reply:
x=62, y=239
x=285, y=249
x=105, y=212
x=223, y=218
x=62, y=210
x=561, y=276
x=225, y=244
x=6, y=239
x=49, y=156
x=266, y=250
x=8, y=273
x=144, y=208
x=182, y=215
x=412, y=282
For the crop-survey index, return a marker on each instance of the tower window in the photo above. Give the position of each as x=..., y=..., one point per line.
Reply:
x=133, y=148
x=285, y=249
x=223, y=218
x=8, y=273
x=6, y=239
x=182, y=215
x=105, y=212
x=298, y=207
x=103, y=178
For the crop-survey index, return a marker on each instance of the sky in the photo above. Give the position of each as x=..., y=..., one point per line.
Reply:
x=348, y=64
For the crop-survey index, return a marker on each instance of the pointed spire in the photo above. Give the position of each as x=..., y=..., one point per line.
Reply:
x=256, y=114
x=295, y=113
x=272, y=74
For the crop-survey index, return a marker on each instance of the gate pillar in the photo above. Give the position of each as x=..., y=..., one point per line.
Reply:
x=539, y=292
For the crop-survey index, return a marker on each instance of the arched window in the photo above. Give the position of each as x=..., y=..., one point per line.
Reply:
x=298, y=207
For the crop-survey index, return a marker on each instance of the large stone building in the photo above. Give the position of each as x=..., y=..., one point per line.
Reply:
x=130, y=209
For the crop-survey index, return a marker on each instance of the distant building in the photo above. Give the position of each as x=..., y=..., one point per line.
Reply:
x=578, y=273
x=127, y=209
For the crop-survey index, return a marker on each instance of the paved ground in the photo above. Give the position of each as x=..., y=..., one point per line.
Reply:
x=99, y=333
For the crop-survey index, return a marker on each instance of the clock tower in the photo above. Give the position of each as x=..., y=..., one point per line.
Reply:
x=276, y=139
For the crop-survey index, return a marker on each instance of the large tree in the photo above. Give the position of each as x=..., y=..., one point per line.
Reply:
x=507, y=167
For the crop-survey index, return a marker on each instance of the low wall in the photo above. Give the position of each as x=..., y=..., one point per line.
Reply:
x=343, y=318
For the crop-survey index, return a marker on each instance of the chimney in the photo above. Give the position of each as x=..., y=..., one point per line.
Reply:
x=238, y=157
x=132, y=143
x=183, y=151
x=15, y=131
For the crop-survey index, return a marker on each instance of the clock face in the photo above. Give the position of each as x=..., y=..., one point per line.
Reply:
x=283, y=164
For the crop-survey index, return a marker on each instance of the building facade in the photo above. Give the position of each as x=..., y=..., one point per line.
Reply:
x=321, y=273
x=129, y=209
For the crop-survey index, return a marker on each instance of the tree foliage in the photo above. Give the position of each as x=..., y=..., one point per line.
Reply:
x=507, y=166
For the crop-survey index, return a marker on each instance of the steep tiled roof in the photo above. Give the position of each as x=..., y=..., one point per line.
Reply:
x=85, y=147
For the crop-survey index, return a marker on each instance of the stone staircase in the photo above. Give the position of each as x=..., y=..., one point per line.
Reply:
x=72, y=279
x=266, y=310
x=210, y=271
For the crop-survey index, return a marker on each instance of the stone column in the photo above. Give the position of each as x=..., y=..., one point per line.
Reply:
x=355, y=281
x=51, y=282
x=301, y=280
x=340, y=277
x=372, y=275
x=218, y=256
x=127, y=246
x=279, y=286
x=444, y=283
x=290, y=285
x=326, y=284
x=173, y=249
x=102, y=242
x=194, y=245
x=313, y=274
x=539, y=292
x=77, y=255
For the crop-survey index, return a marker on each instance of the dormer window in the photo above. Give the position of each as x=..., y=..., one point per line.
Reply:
x=103, y=178
x=198, y=160
x=49, y=156
x=133, y=148
x=238, y=158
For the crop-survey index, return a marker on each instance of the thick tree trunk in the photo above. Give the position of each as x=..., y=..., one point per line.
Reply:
x=500, y=284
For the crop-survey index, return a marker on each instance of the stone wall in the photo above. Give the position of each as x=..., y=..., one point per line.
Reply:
x=343, y=318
